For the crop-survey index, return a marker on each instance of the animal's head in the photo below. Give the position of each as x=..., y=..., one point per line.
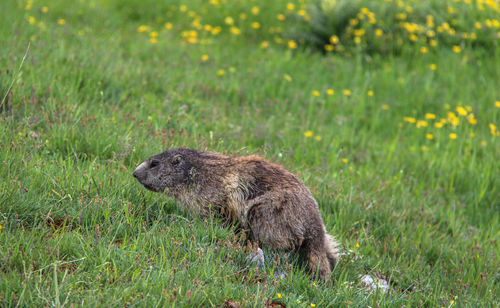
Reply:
x=168, y=170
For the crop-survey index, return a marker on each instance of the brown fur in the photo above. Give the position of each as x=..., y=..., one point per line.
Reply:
x=264, y=198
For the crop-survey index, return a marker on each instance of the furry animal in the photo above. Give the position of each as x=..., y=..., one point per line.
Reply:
x=264, y=198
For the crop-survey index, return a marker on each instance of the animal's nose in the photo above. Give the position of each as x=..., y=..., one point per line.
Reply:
x=135, y=174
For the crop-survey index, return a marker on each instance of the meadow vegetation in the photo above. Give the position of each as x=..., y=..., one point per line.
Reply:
x=387, y=110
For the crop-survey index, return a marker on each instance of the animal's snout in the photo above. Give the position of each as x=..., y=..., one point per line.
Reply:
x=140, y=169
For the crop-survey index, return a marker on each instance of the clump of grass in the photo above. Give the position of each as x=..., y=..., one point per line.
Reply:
x=389, y=26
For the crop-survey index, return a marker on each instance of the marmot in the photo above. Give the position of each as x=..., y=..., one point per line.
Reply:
x=276, y=208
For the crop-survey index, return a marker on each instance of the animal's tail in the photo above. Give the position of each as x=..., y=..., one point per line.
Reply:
x=332, y=250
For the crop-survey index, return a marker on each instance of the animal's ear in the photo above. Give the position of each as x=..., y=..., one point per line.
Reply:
x=177, y=159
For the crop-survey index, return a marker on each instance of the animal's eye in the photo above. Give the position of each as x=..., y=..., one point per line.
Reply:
x=176, y=160
x=154, y=163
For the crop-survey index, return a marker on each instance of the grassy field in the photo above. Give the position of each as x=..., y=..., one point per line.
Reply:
x=401, y=150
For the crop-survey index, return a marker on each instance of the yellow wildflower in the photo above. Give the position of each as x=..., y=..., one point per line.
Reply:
x=301, y=12
x=168, y=25
x=493, y=130
x=229, y=20
x=243, y=16
x=430, y=116
x=424, y=148
x=315, y=93
x=31, y=20
x=232, y=69
x=142, y=28
x=423, y=49
x=220, y=72
x=483, y=143
x=357, y=245
x=421, y=123
x=385, y=107
x=255, y=25
x=430, y=21
x=153, y=40
x=453, y=136
x=456, y=49
x=454, y=120
x=401, y=16
x=344, y=160
x=330, y=92
x=409, y=119
x=429, y=136
x=235, y=31
x=292, y=44
x=329, y=47
x=191, y=39
x=369, y=93
x=279, y=295
x=216, y=30
x=347, y=92
x=45, y=9
x=281, y=17
x=308, y=133
x=359, y=32
x=264, y=44
x=1, y=227
x=61, y=21
x=379, y=32
x=287, y=77
x=313, y=305
x=183, y=8
x=334, y=39
x=438, y=124
x=497, y=104
x=255, y=10
x=472, y=120
x=290, y=6
x=317, y=138
x=204, y=58
x=461, y=111
x=153, y=34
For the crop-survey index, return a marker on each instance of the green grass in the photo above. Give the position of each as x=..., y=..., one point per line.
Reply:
x=94, y=98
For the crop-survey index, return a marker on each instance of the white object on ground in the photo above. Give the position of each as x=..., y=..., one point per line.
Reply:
x=374, y=284
x=257, y=258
